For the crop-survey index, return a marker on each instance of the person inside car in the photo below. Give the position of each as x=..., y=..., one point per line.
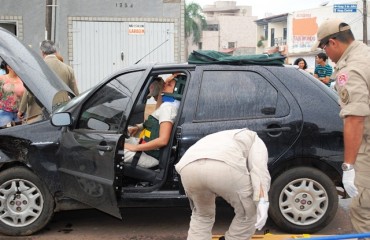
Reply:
x=156, y=130
x=155, y=91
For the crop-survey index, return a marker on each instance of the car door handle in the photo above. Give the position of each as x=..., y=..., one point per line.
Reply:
x=277, y=129
x=104, y=148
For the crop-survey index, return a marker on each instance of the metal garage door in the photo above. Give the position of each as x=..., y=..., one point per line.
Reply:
x=100, y=48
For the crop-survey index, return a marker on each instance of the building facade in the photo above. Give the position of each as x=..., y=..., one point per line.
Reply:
x=98, y=37
x=294, y=33
x=230, y=28
x=272, y=33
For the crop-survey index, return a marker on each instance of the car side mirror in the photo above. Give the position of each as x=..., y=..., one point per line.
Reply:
x=61, y=119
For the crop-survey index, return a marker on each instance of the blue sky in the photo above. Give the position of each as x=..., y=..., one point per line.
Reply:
x=260, y=7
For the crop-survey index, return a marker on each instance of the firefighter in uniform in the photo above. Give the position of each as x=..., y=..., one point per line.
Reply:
x=156, y=130
x=352, y=75
x=231, y=164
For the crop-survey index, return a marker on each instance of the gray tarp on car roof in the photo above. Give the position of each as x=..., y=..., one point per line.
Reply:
x=214, y=57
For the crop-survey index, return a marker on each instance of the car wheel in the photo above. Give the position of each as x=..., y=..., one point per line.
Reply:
x=26, y=205
x=303, y=200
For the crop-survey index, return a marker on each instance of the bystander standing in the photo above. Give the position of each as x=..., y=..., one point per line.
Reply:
x=64, y=71
x=54, y=60
x=11, y=92
x=323, y=70
x=301, y=63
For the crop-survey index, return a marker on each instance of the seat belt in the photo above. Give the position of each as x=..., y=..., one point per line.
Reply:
x=135, y=160
x=137, y=155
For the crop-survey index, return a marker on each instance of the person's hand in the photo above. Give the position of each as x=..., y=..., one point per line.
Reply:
x=132, y=130
x=19, y=115
x=262, y=214
x=130, y=147
x=170, y=78
x=349, y=182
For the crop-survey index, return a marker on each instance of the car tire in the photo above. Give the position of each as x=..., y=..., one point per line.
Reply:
x=303, y=200
x=26, y=205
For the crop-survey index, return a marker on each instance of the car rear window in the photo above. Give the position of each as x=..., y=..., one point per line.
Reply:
x=234, y=95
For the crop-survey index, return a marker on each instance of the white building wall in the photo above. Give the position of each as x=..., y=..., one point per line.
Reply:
x=238, y=29
x=302, y=39
x=226, y=5
x=210, y=40
x=242, y=30
x=118, y=44
x=107, y=45
x=235, y=25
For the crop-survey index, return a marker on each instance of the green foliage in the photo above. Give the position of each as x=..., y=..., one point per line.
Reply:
x=195, y=22
x=260, y=42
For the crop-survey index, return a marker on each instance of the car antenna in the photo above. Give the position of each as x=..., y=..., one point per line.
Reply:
x=152, y=51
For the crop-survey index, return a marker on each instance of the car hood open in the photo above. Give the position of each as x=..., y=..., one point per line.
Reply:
x=39, y=79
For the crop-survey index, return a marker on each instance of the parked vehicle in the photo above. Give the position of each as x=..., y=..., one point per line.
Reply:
x=75, y=154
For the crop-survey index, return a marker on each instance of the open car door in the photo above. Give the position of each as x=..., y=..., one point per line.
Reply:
x=91, y=153
x=90, y=169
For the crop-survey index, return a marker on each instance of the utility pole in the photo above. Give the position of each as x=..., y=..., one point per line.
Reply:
x=364, y=19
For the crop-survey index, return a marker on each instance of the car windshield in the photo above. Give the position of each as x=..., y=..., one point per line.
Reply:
x=106, y=107
x=74, y=101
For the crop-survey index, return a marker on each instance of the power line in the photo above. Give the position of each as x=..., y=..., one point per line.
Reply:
x=364, y=10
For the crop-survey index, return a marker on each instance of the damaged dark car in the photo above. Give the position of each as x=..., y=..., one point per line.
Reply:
x=73, y=158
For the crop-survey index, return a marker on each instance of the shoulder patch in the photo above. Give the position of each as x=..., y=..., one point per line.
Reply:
x=342, y=79
x=344, y=96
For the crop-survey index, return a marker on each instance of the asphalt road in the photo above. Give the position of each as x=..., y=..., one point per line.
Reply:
x=152, y=224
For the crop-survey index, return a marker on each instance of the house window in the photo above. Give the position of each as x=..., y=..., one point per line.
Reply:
x=265, y=29
x=285, y=33
x=231, y=45
x=10, y=26
x=212, y=27
x=200, y=45
x=272, y=43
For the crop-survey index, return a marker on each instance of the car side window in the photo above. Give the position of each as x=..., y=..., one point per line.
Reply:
x=106, y=108
x=226, y=95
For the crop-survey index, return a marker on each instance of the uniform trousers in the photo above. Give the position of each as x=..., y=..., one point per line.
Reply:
x=360, y=211
x=204, y=180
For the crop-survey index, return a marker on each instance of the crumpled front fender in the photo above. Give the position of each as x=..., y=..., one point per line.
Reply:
x=13, y=149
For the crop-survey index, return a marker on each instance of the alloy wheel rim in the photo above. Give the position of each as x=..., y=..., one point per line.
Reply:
x=303, y=202
x=21, y=203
